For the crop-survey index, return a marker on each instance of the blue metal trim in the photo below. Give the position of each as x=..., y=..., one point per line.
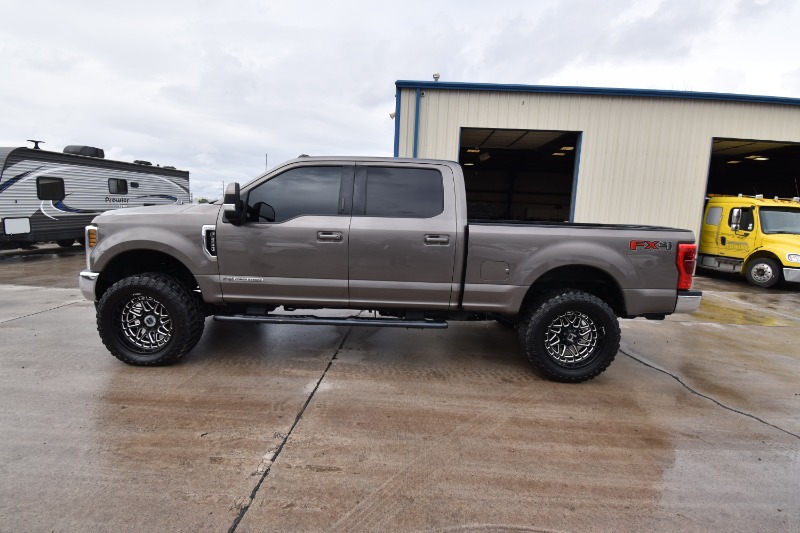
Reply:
x=416, y=124
x=397, y=123
x=578, y=144
x=597, y=91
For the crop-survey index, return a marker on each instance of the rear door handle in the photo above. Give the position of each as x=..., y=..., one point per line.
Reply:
x=329, y=236
x=440, y=240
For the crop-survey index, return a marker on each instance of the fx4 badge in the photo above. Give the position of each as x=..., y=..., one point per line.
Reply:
x=661, y=246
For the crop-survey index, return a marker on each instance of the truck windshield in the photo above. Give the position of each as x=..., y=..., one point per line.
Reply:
x=780, y=220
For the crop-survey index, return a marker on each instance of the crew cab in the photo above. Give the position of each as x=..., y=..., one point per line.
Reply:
x=389, y=235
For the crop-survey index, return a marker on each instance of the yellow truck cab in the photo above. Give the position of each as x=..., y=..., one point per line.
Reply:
x=754, y=236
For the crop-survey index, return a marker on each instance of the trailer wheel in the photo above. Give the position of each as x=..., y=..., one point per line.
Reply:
x=149, y=319
x=763, y=272
x=65, y=243
x=570, y=335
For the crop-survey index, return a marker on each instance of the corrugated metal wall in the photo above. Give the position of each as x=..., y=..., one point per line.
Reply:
x=643, y=160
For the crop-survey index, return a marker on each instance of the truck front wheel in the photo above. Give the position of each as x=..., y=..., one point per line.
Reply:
x=149, y=319
x=763, y=272
x=570, y=335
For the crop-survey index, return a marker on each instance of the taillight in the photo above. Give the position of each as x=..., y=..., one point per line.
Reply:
x=686, y=261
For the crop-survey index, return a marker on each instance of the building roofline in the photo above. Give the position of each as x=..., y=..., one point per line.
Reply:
x=596, y=91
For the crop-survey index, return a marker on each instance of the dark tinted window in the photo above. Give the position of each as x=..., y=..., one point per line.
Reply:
x=403, y=192
x=117, y=186
x=50, y=188
x=296, y=192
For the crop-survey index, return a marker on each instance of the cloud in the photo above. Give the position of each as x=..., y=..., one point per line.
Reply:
x=214, y=87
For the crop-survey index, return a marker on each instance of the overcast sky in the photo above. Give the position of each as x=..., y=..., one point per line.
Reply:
x=212, y=87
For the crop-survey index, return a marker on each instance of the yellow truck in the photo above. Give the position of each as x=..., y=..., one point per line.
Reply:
x=754, y=236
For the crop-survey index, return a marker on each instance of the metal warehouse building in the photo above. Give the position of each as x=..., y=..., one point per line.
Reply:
x=601, y=155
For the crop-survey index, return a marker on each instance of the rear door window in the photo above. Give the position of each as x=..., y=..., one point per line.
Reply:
x=401, y=192
x=714, y=216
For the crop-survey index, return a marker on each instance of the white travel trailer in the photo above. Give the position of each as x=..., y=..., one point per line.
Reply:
x=52, y=196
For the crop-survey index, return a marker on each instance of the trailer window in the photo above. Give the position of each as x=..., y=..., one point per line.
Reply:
x=117, y=186
x=50, y=188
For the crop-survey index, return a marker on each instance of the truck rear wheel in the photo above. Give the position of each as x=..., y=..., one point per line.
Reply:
x=763, y=272
x=149, y=319
x=65, y=243
x=570, y=335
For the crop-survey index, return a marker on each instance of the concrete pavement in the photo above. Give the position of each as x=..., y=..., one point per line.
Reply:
x=694, y=427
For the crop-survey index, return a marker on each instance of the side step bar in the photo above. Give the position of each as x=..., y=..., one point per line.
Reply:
x=311, y=320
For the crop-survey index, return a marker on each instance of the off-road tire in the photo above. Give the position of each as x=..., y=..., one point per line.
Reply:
x=763, y=272
x=149, y=319
x=569, y=335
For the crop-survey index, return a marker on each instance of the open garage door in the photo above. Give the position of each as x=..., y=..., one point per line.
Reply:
x=519, y=174
x=751, y=167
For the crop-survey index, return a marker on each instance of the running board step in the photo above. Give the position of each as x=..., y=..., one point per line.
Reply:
x=333, y=321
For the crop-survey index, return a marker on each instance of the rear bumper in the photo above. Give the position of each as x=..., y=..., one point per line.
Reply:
x=688, y=301
x=86, y=282
x=791, y=274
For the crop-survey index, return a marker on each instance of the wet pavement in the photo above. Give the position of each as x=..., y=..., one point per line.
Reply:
x=694, y=427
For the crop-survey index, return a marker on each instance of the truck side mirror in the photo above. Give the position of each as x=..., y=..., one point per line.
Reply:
x=232, y=204
x=736, y=218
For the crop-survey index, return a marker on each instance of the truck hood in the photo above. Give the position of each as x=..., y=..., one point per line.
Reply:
x=211, y=210
x=785, y=241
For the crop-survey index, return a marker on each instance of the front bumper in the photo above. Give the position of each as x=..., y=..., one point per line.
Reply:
x=688, y=301
x=86, y=282
x=791, y=274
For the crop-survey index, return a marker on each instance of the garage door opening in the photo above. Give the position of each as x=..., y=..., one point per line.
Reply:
x=752, y=167
x=519, y=174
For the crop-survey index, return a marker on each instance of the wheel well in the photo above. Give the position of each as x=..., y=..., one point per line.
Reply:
x=140, y=261
x=761, y=254
x=585, y=278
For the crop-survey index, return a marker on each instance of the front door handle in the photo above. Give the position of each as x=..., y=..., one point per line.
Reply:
x=329, y=236
x=440, y=240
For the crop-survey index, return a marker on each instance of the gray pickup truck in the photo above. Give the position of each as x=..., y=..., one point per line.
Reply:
x=388, y=235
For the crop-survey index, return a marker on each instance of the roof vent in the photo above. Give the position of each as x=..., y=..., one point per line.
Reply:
x=88, y=151
x=145, y=163
x=170, y=167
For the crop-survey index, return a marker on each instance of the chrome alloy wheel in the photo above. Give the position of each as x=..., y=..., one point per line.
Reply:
x=762, y=273
x=572, y=339
x=145, y=323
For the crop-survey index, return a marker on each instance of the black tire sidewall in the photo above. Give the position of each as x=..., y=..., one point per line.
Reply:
x=552, y=306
